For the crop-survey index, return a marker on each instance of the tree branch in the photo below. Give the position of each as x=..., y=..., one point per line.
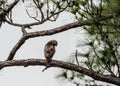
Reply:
x=37, y=34
x=61, y=64
x=36, y=23
x=9, y=8
x=104, y=17
x=16, y=47
x=50, y=32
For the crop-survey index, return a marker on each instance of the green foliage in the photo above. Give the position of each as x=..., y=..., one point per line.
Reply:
x=103, y=55
x=70, y=76
x=115, y=6
x=74, y=9
x=2, y=3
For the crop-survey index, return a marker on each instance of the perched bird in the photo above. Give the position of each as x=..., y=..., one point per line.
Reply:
x=49, y=51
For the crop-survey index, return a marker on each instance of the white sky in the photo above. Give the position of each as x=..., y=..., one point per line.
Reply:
x=33, y=48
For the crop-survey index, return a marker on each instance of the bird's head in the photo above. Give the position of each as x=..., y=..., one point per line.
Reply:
x=53, y=42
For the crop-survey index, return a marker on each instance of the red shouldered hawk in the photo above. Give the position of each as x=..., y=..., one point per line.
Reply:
x=49, y=51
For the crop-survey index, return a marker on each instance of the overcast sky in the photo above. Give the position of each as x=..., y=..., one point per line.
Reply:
x=33, y=48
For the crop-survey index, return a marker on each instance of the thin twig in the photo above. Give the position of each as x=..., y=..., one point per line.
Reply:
x=76, y=56
x=23, y=30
